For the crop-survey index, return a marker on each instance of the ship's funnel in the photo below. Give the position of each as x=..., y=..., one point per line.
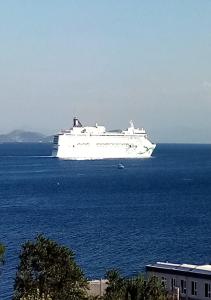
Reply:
x=76, y=123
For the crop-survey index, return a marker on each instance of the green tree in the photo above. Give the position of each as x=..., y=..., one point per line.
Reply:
x=94, y=298
x=2, y=252
x=133, y=288
x=48, y=271
x=116, y=288
x=155, y=289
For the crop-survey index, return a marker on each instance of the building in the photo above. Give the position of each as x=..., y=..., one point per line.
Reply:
x=97, y=287
x=189, y=281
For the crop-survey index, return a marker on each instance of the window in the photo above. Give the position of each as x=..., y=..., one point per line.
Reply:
x=183, y=286
x=173, y=283
x=193, y=288
x=164, y=281
x=207, y=290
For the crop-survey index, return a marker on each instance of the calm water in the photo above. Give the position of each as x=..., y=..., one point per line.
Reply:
x=155, y=209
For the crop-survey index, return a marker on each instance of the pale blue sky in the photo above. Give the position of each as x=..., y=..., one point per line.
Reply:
x=107, y=62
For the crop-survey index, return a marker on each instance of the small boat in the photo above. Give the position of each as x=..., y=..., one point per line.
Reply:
x=120, y=166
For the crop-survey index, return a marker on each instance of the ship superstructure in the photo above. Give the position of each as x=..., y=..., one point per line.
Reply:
x=94, y=142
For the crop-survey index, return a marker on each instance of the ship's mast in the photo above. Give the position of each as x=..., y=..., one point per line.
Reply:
x=131, y=124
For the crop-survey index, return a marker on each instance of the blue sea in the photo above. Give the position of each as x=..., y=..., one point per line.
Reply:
x=156, y=209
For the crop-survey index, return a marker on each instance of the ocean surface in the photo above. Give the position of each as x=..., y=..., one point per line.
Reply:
x=156, y=209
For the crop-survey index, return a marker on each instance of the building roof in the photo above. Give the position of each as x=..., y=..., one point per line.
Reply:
x=203, y=271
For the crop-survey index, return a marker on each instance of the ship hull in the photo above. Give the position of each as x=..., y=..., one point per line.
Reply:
x=89, y=147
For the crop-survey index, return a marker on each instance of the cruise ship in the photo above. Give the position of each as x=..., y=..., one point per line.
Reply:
x=94, y=142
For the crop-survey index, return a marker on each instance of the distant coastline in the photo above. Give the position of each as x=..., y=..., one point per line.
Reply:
x=21, y=136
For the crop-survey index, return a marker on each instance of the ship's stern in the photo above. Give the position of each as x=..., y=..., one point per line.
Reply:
x=55, y=145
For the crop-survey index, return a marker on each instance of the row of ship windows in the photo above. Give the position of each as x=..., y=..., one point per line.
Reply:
x=107, y=144
x=115, y=144
x=183, y=286
x=112, y=135
x=56, y=138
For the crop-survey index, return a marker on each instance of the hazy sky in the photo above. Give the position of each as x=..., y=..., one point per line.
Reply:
x=107, y=62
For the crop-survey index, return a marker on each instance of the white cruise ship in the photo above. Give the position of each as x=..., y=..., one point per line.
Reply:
x=94, y=142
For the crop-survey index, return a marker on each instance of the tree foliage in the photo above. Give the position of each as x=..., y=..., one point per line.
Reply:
x=116, y=286
x=48, y=271
x=134, y=288
x=2, y=252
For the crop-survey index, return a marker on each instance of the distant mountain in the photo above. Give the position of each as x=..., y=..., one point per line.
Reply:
x=20, y=136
